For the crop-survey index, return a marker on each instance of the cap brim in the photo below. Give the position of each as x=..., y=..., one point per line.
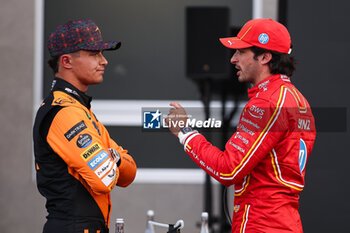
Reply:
x=101, y=45
x=111, y=45
x=234, y=43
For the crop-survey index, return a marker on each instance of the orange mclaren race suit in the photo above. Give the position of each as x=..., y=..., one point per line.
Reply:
x=265, y=159
x=77, y=163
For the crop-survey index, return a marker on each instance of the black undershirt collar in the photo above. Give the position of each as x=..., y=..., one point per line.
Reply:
x=59, y=84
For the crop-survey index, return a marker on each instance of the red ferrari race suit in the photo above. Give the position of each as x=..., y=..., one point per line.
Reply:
x=74, y=164
x=265, y=159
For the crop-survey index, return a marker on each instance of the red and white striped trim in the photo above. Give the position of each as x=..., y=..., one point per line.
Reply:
x=245, y=219
x=189, y=138
x=260, y=139
x=278, y=174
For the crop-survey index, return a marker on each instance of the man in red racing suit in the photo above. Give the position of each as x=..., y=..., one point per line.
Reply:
x=265, y=158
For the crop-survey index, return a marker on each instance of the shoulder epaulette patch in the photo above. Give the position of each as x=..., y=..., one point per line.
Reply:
x=63, y=99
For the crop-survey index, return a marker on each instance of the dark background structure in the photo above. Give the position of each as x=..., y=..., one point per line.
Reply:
x=153, y=56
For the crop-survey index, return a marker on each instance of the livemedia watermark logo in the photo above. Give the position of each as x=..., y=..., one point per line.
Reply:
x=152, y=119
x=155, y=120
x=332, y=119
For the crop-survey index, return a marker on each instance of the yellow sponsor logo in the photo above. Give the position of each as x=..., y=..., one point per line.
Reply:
x=91, y=151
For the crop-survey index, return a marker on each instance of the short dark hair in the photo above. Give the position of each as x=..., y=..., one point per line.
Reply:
x=53, y=63
x=281, y=63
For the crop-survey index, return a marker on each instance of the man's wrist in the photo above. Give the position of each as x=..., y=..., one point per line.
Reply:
x=186, y=129
x=184, y=133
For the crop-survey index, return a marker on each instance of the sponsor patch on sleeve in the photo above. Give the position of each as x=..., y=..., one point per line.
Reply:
x=91, y=151
x=84, y=140
x=98, y=159
x=110, y=177
x=75, y=130
x=104, y=168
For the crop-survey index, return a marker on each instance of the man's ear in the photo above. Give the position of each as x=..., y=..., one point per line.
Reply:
x=265, y=58
x=66, y=61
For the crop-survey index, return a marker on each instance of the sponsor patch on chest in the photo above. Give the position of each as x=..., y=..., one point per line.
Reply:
x=98, y=159
x=90, y=151
x=75, y=130
x=256, y=112
x=304, y=124
x=84, y=140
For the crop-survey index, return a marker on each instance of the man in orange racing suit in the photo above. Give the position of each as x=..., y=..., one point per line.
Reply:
x=77, y=162
x=265, y=159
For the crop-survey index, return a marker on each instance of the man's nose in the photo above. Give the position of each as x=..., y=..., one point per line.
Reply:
x=103, y=60
x=234, y=59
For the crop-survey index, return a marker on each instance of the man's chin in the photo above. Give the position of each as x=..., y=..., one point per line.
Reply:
x=241, y=79
x=99, y=80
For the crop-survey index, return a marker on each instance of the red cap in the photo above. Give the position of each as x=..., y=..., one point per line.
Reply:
x=263, y=33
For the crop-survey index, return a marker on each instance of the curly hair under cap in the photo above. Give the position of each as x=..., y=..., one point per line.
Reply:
x=281, y=63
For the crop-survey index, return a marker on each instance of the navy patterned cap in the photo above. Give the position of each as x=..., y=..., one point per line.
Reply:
x=78, y=35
